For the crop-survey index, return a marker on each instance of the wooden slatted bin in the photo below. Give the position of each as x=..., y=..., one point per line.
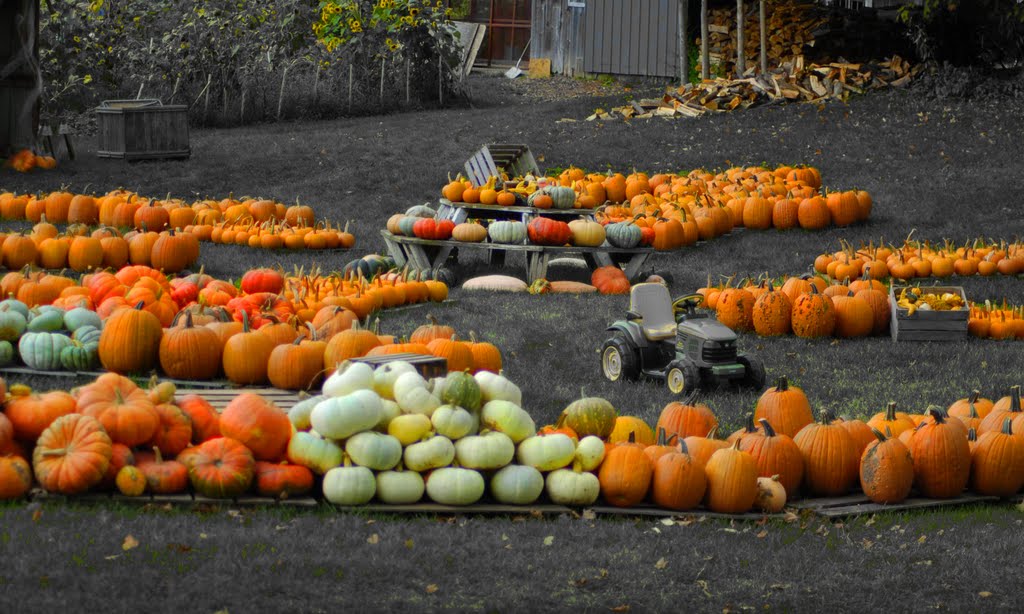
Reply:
x=928, y=325
x=142, y=130
x=428, y=366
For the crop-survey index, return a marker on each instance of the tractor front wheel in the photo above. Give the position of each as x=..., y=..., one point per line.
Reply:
x=619, y=359
x=682, y=377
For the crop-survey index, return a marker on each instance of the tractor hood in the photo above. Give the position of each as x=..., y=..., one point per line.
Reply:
x=708, y=329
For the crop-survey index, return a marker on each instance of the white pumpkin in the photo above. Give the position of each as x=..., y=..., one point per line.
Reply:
x=349, y=485
x=491, y=450
x=410, y=428
x=341, y=417
x=455, y=486
x=497, y=387
x=406, y=382
x=313, y=452
x=546, y=452
x=389, y=410
x=509, y=418
x=299, y=413
x=517, y=485
x=571, y=487
x=454, y=422
x=399, y=487
x=374, y=450
x=348, y=378
x=412, y=395
x=590, y=452
x=385, y=375
x=435, y=452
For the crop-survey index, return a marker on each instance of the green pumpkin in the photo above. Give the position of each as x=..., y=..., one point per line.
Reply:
x=79, y=317
x=405, y=225
x=623, y=234
x=462, y=390
x=79, y=357
x=421, y=211
x=46, y=321
x=87, y=334
x=6, y=353
x=590, y=416
x=41, y=351
x=15, y=305
x=455, y=486
x=507, y=232
x=562, y=197
x=12, y=323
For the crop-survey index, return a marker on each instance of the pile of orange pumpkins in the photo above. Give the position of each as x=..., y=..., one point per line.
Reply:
x=26, y=160
x=82, y=250
x=253, y=222
x=922, y=259
x=1002, y=322
x=285, y=330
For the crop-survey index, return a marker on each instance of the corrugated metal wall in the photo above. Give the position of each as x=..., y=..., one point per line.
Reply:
x=631, y=38
x=18, y=77
x=621, y=37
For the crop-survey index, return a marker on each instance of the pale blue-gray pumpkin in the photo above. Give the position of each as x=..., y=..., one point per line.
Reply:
x=455, y=486
x=41, y=351
x=79, y=357
x=79, y=316
x=6, y=353
x=46, y=321
x=12, y=323
x=507, y=232
x=561, y=197
x=15, y=305
x=421, y=211
x=87, y=334
x=623, y=234
x=405, y=225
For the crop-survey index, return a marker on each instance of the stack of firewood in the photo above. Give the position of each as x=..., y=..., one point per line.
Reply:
x=791, y=24
x=792, y=80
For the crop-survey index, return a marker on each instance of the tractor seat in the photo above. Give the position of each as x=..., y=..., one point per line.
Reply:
x=653, y=304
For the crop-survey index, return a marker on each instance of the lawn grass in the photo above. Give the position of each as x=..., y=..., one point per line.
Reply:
x=940, y=168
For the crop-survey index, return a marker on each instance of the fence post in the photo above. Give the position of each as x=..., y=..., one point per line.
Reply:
x=382, y=60
x=705, y=66
x=764, y=41
x=741, y=64
x=350, y=78
x=280, y=98
x=407, y=80
x=684, y=56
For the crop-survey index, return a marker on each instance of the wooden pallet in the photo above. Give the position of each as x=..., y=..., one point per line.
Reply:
x=859, y=505
x=219, y=398
x=141, y=380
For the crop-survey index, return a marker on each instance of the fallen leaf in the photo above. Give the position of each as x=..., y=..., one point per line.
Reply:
x=589, y=514
x=779, y=587
x=202, y=536
x=550, y=539
x=112, y=557
x=602, y=573
x=925, y=563
x=661, y=564
x=668, y=522
x=504, y=537
x=431, y=589
x=922, y=539
x=371, y=521
x=409, y=544
x=36, y=515
x=763, y=534
x=867, y=543
x=984, y=594
x=129, y=543
x=620, y=608
x=656, y=530
x=728, y=530
x=536, y=513
x=578, y=583
x=870, y=521
x=373, y=539
x=790, y=517
x=703, y=584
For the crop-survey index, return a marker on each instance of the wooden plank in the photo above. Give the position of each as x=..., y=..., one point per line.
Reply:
x=515, y=209
x=925, y=335
x=825, y=502
x=909, y=504
x=913, y=324
x=658, y=512
x=476, y=508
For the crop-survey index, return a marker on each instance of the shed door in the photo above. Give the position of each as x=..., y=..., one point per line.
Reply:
x=638, y=37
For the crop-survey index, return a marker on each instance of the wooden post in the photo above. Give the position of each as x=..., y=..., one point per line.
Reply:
x=705, y=66
x=440, y=81
x=350, y=78
x=241, y=110
x=225, y=102
x=316, y=85
x=764, y=41
x=741, y=64
x=382, y=81
x=174, y=92
x=280, y=97
x=407, y=65
x=206, y=104
x=684, y=56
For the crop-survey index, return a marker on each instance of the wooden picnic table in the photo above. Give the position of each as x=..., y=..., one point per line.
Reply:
x=426, y=254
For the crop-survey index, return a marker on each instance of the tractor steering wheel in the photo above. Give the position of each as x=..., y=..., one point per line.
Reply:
x=686, y=304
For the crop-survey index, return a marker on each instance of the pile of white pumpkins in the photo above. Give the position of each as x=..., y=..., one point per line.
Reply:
x=388, y=433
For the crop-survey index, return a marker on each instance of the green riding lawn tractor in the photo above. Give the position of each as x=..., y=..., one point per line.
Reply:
x=668, y=339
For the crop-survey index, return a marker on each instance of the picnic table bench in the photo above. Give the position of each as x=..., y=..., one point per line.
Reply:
x=427, y=254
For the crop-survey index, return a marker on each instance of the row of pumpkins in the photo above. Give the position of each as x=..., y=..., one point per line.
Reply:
x=922, y=259
x=26, y=160
x=990, y=321
x=752, y=197
x=253, y=222
x=197, y=328
x=806, y=306
x=80, y=250
x=388, y=434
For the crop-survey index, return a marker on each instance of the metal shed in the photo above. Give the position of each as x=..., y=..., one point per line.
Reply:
x=20, y=80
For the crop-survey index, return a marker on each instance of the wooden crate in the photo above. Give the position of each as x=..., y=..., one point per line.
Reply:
x=928, y=325
x=428, y=366
x=490, y=160
x=142, y=130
